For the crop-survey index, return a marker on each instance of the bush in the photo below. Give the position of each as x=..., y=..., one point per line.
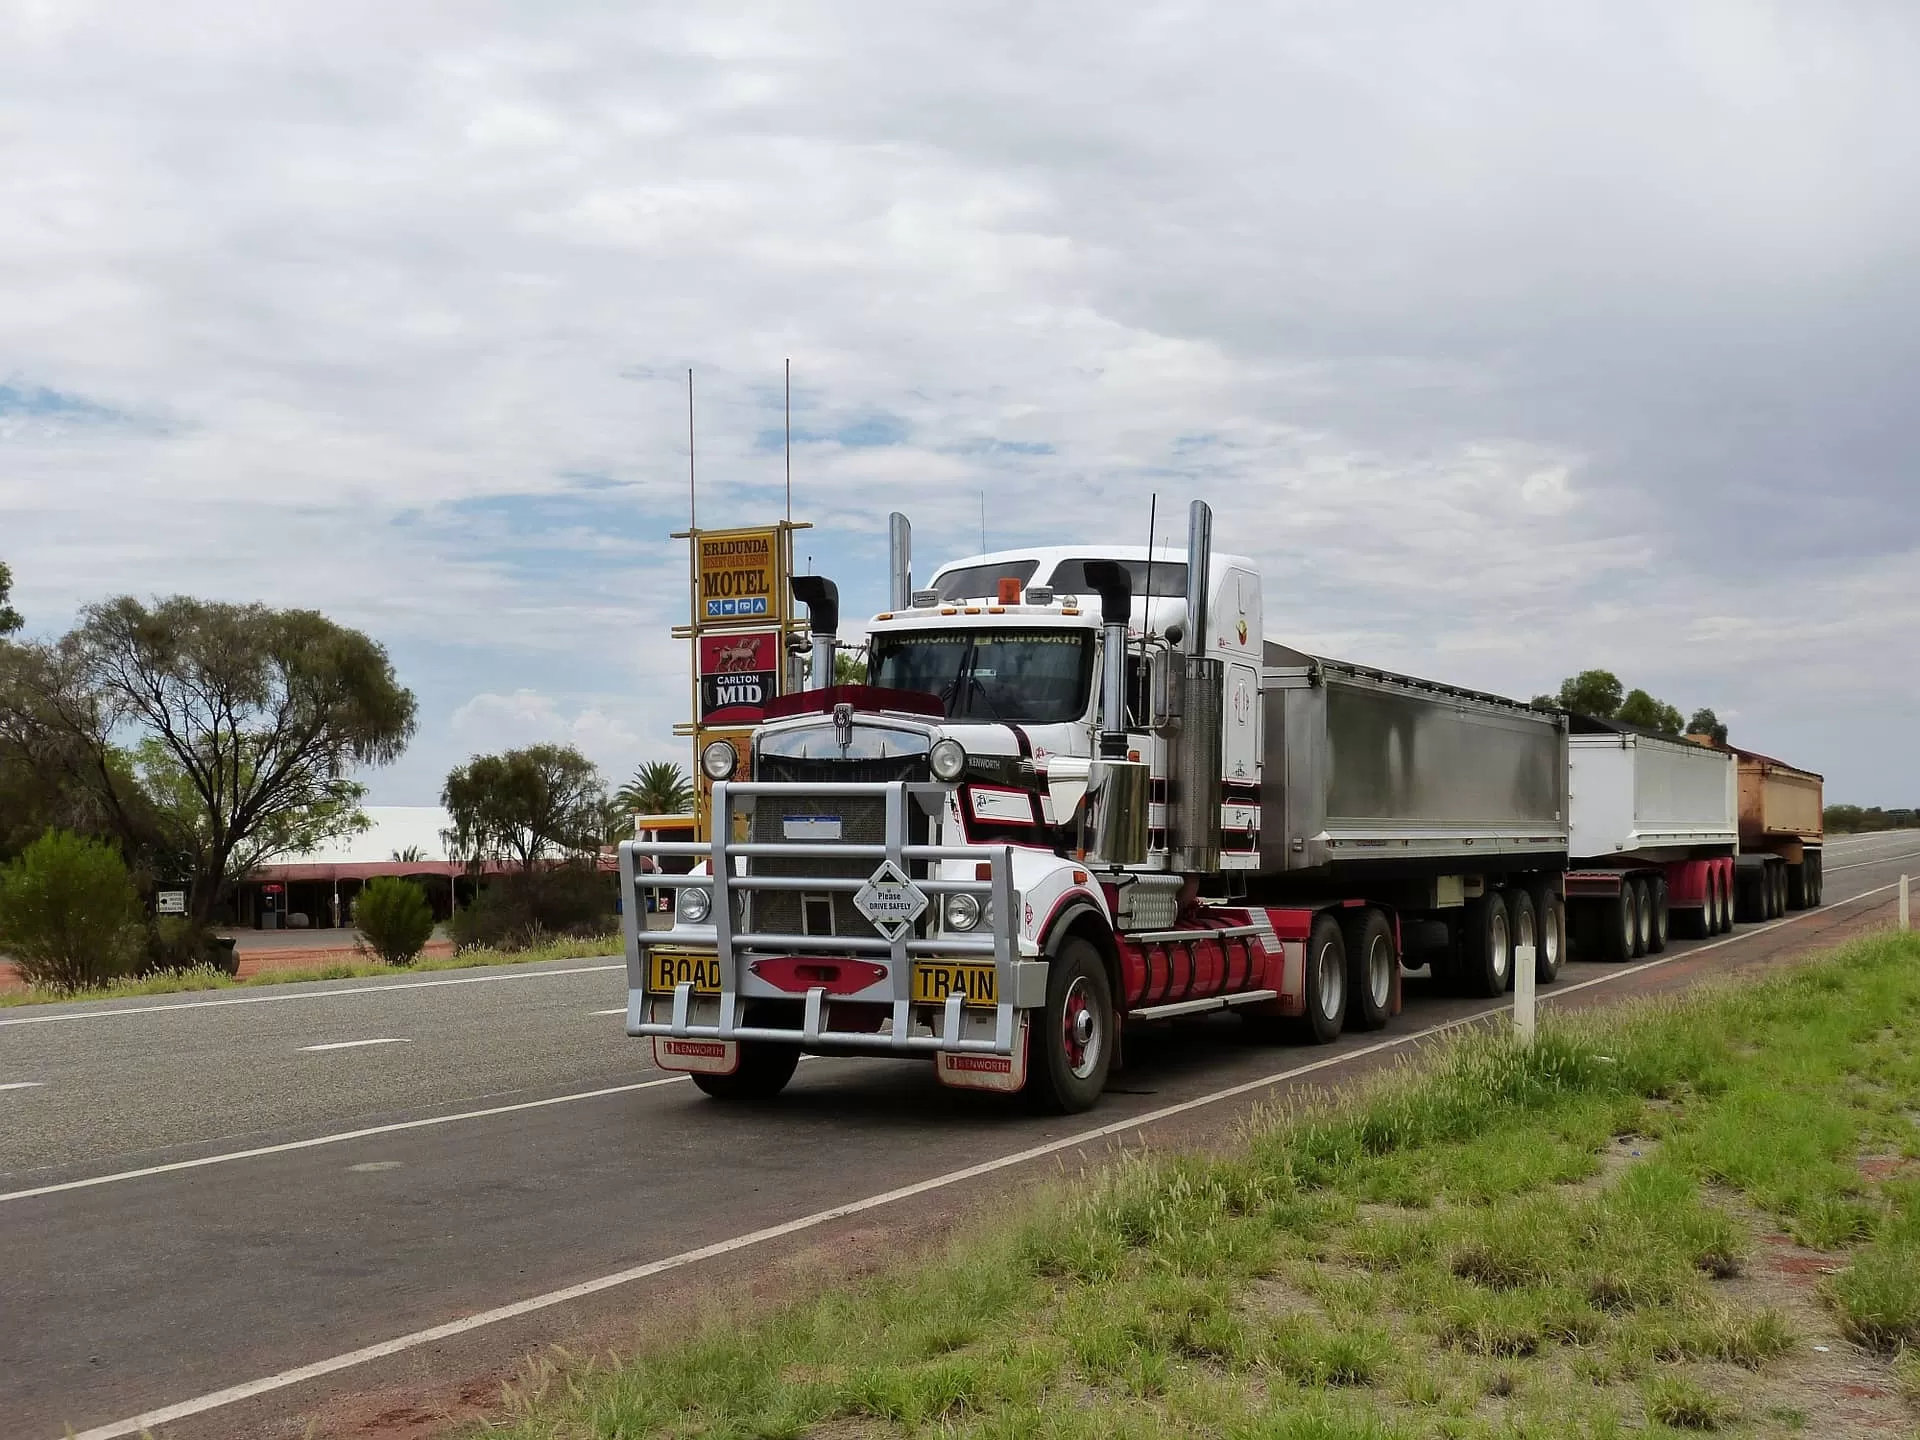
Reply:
x=175, y=943
x=394, y=919
x=516, y=911
x=69, y=916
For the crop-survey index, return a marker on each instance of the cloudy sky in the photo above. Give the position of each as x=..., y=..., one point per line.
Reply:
x=1511, y=338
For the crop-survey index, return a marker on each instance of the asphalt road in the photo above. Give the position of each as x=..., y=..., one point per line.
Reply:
x=195, y=1197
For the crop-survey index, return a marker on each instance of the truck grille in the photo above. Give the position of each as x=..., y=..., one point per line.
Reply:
x=863, y=821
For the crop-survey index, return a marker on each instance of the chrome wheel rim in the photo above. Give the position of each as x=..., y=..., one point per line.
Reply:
x=1083, y=1035
x=1549, y=951
x=1497, y=941
x=1380, y=972
x=1333, y=983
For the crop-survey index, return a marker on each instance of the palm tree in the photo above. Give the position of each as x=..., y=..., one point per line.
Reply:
x=412, y=855
x=659, y=787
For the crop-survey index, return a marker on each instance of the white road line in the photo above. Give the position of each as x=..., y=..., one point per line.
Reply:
x=1877, y=860
x=167, y=1414
x=21, y=1084
x=356, y=1044
x=617, y=1010
x=308, y=995
x=337, y=1139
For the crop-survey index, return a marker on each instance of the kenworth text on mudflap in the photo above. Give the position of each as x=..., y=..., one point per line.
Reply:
x=1083, y=793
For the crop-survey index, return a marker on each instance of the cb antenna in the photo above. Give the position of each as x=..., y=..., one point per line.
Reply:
x=693, y=522
x=1146, y=588
x=789, y=439
x=983, y=522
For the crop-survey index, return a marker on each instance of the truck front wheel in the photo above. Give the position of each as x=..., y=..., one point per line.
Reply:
x=764, y=1072
x=1076, y=1032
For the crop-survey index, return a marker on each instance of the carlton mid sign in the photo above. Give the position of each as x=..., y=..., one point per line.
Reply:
x=739, y=674
x=739, y=576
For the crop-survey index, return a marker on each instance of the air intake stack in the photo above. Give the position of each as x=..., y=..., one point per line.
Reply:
x=822, y=599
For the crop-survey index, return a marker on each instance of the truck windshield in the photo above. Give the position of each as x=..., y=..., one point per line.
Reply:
x=1033, y=677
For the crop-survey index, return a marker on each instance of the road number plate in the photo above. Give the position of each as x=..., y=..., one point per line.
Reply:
x=934, y=980
x=667, y=970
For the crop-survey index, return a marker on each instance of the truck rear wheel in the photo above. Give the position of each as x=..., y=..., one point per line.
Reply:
x=1076, y=1032
x=1723, y=889
x=764, y=1072
x=1818, y=876
x=1550, y=914
x=1797, y=886
x=1642, y=916
x=1371, y=965
x=1323, y=995
x=1779, y=890
x=1618, y=922
x=1486, y=947
x=1657, y=919
x=1524, y=924
x=1750, y=895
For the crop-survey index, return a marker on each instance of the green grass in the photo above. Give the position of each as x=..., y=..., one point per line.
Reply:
x=205, y=977
x=1468, y=1247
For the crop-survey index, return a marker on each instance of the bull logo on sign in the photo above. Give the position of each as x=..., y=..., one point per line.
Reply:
x=739, y=656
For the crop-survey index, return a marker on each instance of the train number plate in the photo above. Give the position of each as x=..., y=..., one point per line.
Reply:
x=667, y=970
x=934, y=980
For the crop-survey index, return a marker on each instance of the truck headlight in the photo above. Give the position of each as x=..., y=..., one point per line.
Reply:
x=948, y=757
x=694, y=905
x=963, y=912
x=719, y=760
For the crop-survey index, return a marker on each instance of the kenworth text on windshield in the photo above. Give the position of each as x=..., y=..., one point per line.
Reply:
x=1081, y=793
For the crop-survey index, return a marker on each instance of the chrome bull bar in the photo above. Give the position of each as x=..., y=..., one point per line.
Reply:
x=727, y=879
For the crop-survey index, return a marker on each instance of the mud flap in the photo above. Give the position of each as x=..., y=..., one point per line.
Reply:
x=697, y=1057
x=1004, y=1074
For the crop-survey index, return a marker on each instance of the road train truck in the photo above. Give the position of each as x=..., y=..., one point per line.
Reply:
x=1082, y=793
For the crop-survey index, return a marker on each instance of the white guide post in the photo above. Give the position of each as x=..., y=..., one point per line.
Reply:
x=1523, y=978
x=1906, y=909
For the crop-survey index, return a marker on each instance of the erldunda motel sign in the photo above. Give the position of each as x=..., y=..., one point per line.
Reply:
x=742, y=615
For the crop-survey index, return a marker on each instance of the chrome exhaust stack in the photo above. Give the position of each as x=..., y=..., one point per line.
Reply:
x=1199, y=575
x=1118, y=788
x=1194, y=718
x=899, y=562
x=822, y=599
x=1116, y=612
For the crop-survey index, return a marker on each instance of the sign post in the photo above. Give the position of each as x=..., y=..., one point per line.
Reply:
x=1906, y=910
x=1523, y=992
x=742, y=617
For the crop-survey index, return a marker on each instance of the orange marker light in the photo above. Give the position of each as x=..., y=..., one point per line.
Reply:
x=1009, y=590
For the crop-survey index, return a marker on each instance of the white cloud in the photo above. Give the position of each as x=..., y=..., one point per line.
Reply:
x=1510, y=342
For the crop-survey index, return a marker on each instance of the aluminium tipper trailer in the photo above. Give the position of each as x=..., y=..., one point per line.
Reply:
x=1782, y=830
x=1654, y=836
x=1447, y=805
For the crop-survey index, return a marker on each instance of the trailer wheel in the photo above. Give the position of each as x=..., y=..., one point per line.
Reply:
x=1779, y=889
x=1642, y=916
x=1371, y=964
x=1324, y=986
x=1723, y=890
x=1819, y=878
x=1486, y=947
x=1618, y=924
x=1525, y=928
x=764, y=1072
x=1076, y=1033
x=1797, y=886
x=1658, y=921
x=1550, y=919
x=1750, y=896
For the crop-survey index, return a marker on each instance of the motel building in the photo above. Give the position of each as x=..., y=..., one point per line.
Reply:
x=315, y=889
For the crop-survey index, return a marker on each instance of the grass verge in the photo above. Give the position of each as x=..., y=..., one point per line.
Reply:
x=1605, y=1234
x=205, y=977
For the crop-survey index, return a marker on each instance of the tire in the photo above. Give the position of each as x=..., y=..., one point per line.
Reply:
x=1691, y=924
x=1798, y=891
x=1324, y=985
x=1779, y=890
x=764, y=1072
x=1618, y=922
x=1076, y=1036
x=1713, y=902
x=1524, y=926
x=1749, y=896
x=1819, y=863
x=1371, y=966
x=1658, y=921
x=1642, y=915
x=1724, y=890
x=1486, y=947
x=1550, y=917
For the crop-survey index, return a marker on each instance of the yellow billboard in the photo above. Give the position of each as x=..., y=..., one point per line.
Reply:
x=740, y=577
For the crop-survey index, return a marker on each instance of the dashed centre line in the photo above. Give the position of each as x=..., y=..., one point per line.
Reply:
x=21, y=1084
x=356, y=1044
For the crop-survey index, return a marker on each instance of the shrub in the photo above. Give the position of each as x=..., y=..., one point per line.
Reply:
x=515, y=911
x=393, y=918
x=175, y=943
x=69, y=916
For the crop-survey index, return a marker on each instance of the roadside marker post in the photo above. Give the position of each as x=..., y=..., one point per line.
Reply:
x=1906, y=913
x=1523, y=984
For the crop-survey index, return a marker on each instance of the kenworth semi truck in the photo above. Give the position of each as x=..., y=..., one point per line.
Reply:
x=1083, y=793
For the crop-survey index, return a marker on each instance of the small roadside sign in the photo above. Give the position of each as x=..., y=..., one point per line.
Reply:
x=170, y=902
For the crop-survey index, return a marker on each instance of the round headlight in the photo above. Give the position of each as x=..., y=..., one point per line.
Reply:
x=948, y=759
x=963, y=912
x=694, y=904
x=719, y=760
